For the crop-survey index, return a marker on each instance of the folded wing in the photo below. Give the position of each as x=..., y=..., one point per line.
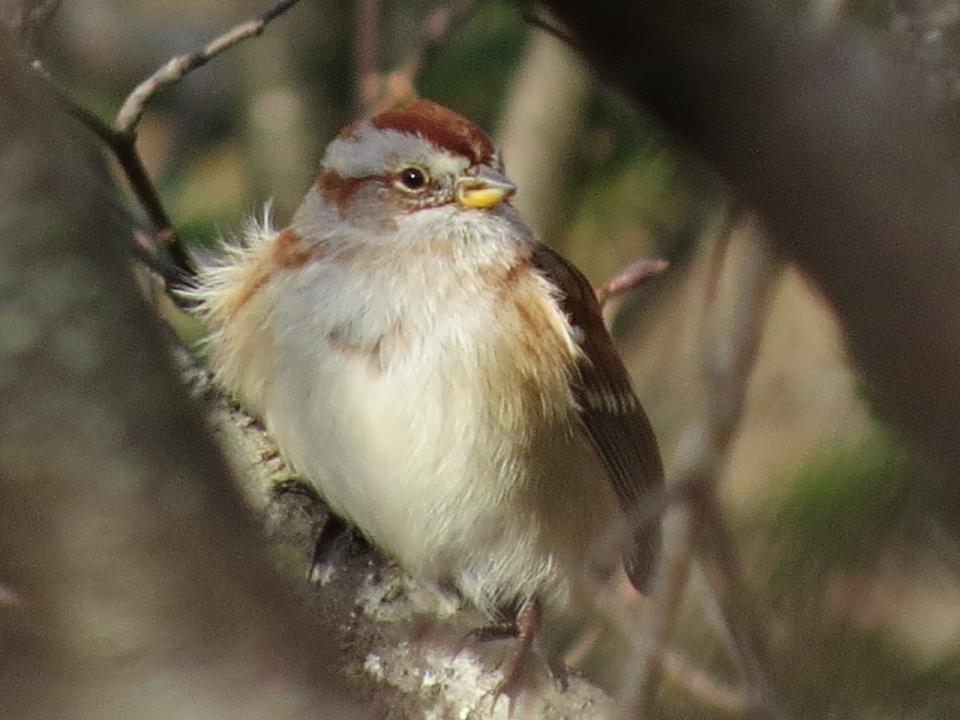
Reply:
x=610, y=413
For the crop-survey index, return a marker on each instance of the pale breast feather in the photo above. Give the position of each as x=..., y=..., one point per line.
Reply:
x=610, y=413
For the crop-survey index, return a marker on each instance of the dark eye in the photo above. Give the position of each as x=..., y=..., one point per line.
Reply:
x=413, y=178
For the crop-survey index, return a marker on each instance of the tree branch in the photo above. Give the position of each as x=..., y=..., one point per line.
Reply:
x=729, y=357
x=539, y=22
x=382, y=91
x=826, y=139
x=120, y=138
x=713, y=694
x=177, y=68
x=132, y=556
x=630, y=278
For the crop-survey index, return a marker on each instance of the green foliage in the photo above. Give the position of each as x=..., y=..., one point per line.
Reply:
x=844, y=511
x=473, y=69
x=847, y=516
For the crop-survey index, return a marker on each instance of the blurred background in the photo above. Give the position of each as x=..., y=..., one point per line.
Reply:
x=856, y=577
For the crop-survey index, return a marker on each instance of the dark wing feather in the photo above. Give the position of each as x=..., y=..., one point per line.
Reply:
x=610, y=413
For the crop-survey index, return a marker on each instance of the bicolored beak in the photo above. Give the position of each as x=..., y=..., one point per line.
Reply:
x=485, y=190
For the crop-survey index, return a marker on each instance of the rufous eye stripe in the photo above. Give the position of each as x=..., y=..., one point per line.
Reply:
x=337, y=190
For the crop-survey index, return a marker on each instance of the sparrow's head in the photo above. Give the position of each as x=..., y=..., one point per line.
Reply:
x=411, y=159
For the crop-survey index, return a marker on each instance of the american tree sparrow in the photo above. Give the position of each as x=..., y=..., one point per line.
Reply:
x=443, y=380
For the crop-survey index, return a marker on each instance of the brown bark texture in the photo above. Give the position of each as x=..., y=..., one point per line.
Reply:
x=140, y=585
x=837, y=147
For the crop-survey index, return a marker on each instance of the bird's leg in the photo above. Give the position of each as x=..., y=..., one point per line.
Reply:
x=325, y=533
x=497, y=631
x=524, y=628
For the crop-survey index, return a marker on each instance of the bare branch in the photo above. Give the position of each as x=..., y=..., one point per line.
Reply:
x=679, y=671
x=366, y=43
x=548, y=26
x=29, y=19
x=71, y=106
x=728, y=359
x=630, y=278
x=384, y=91
x=172, y=262
x=176, y=68
x=728, y=362
x=732, y=217
x=98, y=446
x=743, y=634
x=797, y=149
x=170, y=259
x=730, y=356
x=437, y=28
x=671, y=585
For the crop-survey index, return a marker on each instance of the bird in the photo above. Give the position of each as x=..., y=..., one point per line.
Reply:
x=439, y=376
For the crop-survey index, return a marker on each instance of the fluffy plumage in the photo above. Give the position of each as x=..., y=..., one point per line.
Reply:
x=443, y=380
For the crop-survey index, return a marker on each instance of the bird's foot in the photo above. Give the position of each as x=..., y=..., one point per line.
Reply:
x=524, y=628
x=488, y=633
x=559, y=672
x=330, y=537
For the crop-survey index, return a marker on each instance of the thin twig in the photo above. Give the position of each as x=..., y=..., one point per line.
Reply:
x=675, y=570
x=172, y=262
x=548, y=26
x=630, y=278
x=176, y=68
x=70, y=105
x=679, y=671
x=725, y=577
x=437, y=28
x=170, y=259
x=34, y=17
x=730, y=357
x=671, y=584
x=385, y=91
x=366, y=44
x=728, y=361
x=728, y=364
x=732, y=216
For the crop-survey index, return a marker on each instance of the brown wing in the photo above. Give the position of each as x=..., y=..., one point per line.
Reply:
x=610, y=412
